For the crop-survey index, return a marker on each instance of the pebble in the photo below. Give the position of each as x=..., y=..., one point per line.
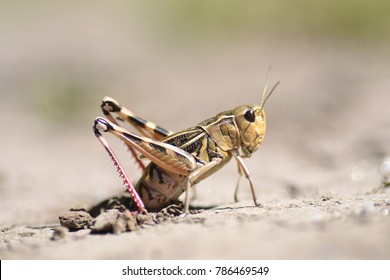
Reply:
x=76, y=220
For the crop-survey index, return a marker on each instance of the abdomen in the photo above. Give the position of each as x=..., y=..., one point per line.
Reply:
x=158, y=188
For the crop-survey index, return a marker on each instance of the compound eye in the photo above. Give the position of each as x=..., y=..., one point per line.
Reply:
x=250, y=115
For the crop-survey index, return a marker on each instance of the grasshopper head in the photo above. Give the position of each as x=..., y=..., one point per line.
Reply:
x=251, y=123
x=250, y=120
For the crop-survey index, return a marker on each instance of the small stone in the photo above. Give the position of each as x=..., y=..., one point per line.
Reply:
x=76, y=220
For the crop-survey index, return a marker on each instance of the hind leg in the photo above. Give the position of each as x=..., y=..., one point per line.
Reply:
x=111, y=107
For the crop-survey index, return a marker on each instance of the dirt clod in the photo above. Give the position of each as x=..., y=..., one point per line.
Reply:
x=106, y=221
x=76, y=220
x=114, y=216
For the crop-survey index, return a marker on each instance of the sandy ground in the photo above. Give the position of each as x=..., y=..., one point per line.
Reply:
x=315, y=175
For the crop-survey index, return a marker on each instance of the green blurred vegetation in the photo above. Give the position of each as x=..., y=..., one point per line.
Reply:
x=59, y=99
x=332, y=19
x=212, y=19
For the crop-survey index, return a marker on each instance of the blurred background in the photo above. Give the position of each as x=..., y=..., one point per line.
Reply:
x=177, y=63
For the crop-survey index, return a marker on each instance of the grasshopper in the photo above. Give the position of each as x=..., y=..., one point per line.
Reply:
x=180, y=160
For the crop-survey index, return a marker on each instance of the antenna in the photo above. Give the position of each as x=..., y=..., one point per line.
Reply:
x=265, y=85
x=272, y=90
